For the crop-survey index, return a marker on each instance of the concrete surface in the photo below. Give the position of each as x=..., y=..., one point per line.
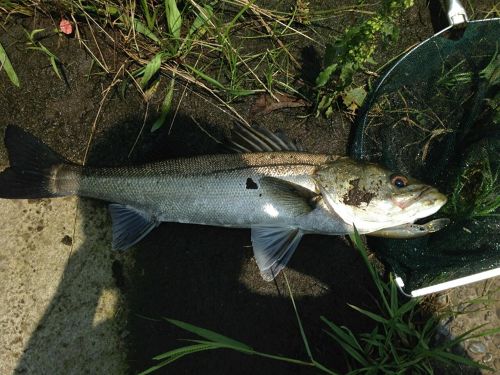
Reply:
x=46, y=320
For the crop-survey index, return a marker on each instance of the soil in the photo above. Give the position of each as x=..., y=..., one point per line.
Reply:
x=202, y=275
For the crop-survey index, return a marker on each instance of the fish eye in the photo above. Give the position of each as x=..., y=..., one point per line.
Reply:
x=399, y=181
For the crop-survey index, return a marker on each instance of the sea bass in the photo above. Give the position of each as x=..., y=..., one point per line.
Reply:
x=271, y=187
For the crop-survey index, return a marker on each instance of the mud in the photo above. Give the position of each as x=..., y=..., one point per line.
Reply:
x=101, y=311
x=356, y=196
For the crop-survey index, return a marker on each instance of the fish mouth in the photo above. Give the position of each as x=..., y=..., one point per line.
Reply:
x=428, y=196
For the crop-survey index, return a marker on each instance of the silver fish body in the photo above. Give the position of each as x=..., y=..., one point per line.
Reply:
x=223, y=190
x=277, y=191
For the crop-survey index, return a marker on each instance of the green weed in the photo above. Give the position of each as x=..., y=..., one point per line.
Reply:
x=401, y=342
x=227, y=48
x=6, y=65
x=350, y=53
x=34, y=43
x=476, y=192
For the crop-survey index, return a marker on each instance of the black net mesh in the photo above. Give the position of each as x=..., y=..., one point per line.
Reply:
x=435, y=116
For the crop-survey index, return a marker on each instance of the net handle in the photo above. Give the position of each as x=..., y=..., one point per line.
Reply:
x=456, y=13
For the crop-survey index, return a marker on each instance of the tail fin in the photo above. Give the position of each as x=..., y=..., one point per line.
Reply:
x=32, y=167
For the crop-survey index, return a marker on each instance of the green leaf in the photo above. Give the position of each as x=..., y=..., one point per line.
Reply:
x=299, y=322
x=242, y=92
x=206, y=77
x=7, y=66
x=492, y=71
x=344, y=337
x=211, y=335
x=346, y=73
x=187, y=350
x=165, y=107
x=354, y=98
x=147, y=14
x=174, y=19
x=151, y=69
x=201, y=19
x=174, y=355
x=34, y=33
x=371, y=315
x=54, y=62
x=324, y=75
x=111, y=10
x=142, y=29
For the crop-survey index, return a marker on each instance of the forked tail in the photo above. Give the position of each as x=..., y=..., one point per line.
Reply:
x=35, y=169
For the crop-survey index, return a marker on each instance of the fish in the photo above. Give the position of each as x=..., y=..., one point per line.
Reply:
x=270, y=186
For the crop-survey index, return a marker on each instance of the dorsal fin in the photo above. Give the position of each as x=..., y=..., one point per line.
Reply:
x=257, y=139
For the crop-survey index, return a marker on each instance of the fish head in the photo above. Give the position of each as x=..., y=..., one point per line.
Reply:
x=372, y=197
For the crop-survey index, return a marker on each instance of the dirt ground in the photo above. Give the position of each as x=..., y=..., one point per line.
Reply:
x=202, y=275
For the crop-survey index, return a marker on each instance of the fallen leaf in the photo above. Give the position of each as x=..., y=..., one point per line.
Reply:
x=265, y=103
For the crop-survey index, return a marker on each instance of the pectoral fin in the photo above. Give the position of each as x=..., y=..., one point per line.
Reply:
x=273, y=247
x=294, y=199
x=130, y=225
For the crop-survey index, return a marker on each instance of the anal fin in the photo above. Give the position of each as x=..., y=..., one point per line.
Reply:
x=130, y=225
x=273, y=247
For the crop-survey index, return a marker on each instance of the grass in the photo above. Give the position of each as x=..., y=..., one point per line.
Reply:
x=34, y=43
x=228, y=49
x=476, y=192
x=403, y=340
x=6, y=65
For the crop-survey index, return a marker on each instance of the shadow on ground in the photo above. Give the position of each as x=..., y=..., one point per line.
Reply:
x=198, y=274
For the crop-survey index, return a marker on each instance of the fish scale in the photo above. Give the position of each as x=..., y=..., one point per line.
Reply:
x=201, y=190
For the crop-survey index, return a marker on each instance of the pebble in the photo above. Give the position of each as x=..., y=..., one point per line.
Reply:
x=488, y=357
x=488, y=316
x=477, y=347
x=442, y=300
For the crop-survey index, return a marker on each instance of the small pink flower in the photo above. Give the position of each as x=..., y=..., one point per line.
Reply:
x=66, y=27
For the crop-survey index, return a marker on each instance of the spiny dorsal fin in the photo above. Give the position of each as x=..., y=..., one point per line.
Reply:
x=257, y=139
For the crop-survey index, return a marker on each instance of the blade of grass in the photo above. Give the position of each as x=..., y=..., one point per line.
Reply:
x=210, y=335
x=356, y=239
x=174, y=355
x=7, y=66
x=206, y=77
x=145, y=10
x=349, y=349
x=207, y=345
x=302, y=332
x=142, y=29
x=165, y=107
x=151, y=69
x=369, y=314
x=174, y=20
